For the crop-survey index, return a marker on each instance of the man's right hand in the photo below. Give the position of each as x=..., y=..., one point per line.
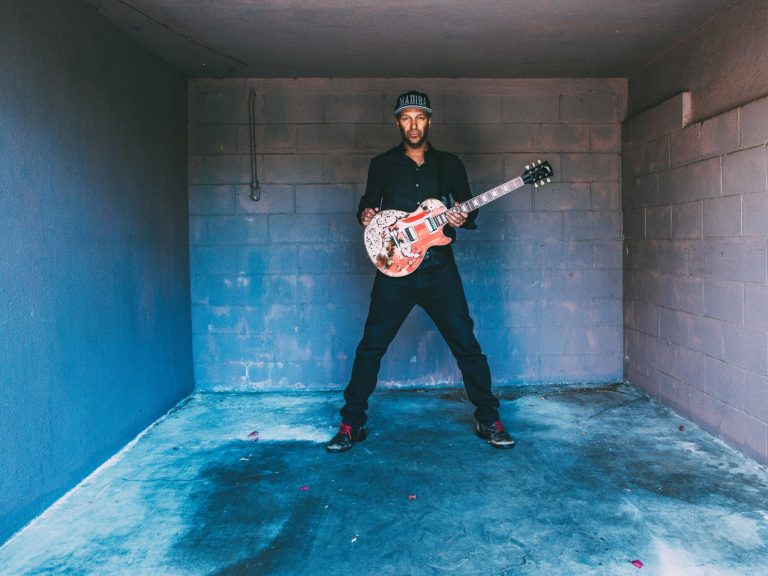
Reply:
x=367, y=215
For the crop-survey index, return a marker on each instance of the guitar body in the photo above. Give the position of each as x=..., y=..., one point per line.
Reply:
x=397, y=241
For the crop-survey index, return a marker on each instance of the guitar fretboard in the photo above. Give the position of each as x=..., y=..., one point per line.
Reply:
x=483, y=199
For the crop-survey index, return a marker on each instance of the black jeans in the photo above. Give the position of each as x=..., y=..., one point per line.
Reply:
x=436, y=287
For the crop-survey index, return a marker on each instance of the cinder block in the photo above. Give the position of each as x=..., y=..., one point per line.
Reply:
x=337, y=258
x=706, y=411
x=702, y=180
x=724, y=300
x=208, y=200
x=561, y=137
x=326, y=199
x=530, y=108
x=233, y=169
x=250, y=229
x=294, y=107
x=674, y=393
x=725, y=382
x=376, y=138
x=273, y=199
x=634, y=223
x=488, y=168
x=198, y=230
x=692, y=367
x=745, y=260
x=587, y=284
x=293, y=168
x=673, y=327
x=756, y=394
x=213, y=259
x=687, y=220
x=310, y=228
x=647, y=318
x=357, y=108
x=673, y=257
x=212, y=348
x=687, y=294
x=268, y=138
x=685, y=145
x=325, y=138
x=755, y=308
x=642, y=127
x=753, y=119
x=722, y=217
x=591, y=167
x=746, y=348
x=605, y=138
x=641, y=255
x=593, y=107
x=211, y=105
x=673, y=114
x=720, y=134
x=506, y=314
x=269, y=259
x=200, y=289
x=673, y=185
x=514, y=164
x=607, y=255
x=232, y=290
x=745, y=172
x=663, y=356
x=536, y=225
x=316, y=288
x=658, y=222
x=605, y=195
x=592, y=225
x=656, y=155
x=755, y=208
x=472, y=108
x=570, y=255
x=647, y=191
x=345, y=168
x=212, y=139
x=705, y=335
x=706, y=258
x=746, y=434
x=563, y=196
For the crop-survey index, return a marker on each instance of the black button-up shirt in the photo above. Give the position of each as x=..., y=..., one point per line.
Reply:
x=395, y=182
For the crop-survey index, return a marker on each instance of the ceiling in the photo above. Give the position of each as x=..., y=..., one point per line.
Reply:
x=409, y=38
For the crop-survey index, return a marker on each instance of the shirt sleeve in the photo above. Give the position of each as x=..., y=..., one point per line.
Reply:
x=374, y=189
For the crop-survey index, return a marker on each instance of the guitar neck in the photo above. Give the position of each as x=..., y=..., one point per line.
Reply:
x=483, y=199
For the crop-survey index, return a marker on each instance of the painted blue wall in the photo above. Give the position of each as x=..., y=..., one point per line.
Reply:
x=95, y=332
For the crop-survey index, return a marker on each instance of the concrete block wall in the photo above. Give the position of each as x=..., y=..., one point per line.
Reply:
x=696, y=265
x=280, y=287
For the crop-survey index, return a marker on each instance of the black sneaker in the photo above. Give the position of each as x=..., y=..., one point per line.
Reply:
x=345, y=437
x=495, y=435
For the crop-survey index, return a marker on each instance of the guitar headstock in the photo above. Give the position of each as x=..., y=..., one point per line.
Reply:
x=538, y=172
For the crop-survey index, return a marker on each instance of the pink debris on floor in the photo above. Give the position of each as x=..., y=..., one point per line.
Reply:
x=254, y=436
x=637, y=563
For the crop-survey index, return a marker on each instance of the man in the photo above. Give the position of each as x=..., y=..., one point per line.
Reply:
x=401, y=179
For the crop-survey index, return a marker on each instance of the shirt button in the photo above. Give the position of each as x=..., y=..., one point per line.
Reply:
x=417, y=185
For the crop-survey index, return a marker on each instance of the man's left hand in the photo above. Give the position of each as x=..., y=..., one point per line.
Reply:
x=456, y=218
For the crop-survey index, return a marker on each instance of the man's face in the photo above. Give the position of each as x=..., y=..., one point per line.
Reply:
x=414, y=126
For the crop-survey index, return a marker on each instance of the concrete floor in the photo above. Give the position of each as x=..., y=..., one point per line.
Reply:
x=601, y=476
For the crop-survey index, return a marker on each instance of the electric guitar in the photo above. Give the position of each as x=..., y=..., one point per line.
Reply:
x=397, y=241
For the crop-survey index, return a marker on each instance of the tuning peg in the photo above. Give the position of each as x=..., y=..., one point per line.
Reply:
x=536, y=185
x=527, y=166
x=548, y=180
x=539, y=161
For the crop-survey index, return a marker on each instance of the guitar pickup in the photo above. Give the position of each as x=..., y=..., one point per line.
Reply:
x=410, y=234
x=431, y=224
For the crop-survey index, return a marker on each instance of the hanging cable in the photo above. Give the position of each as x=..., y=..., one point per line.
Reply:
x=255, y=194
